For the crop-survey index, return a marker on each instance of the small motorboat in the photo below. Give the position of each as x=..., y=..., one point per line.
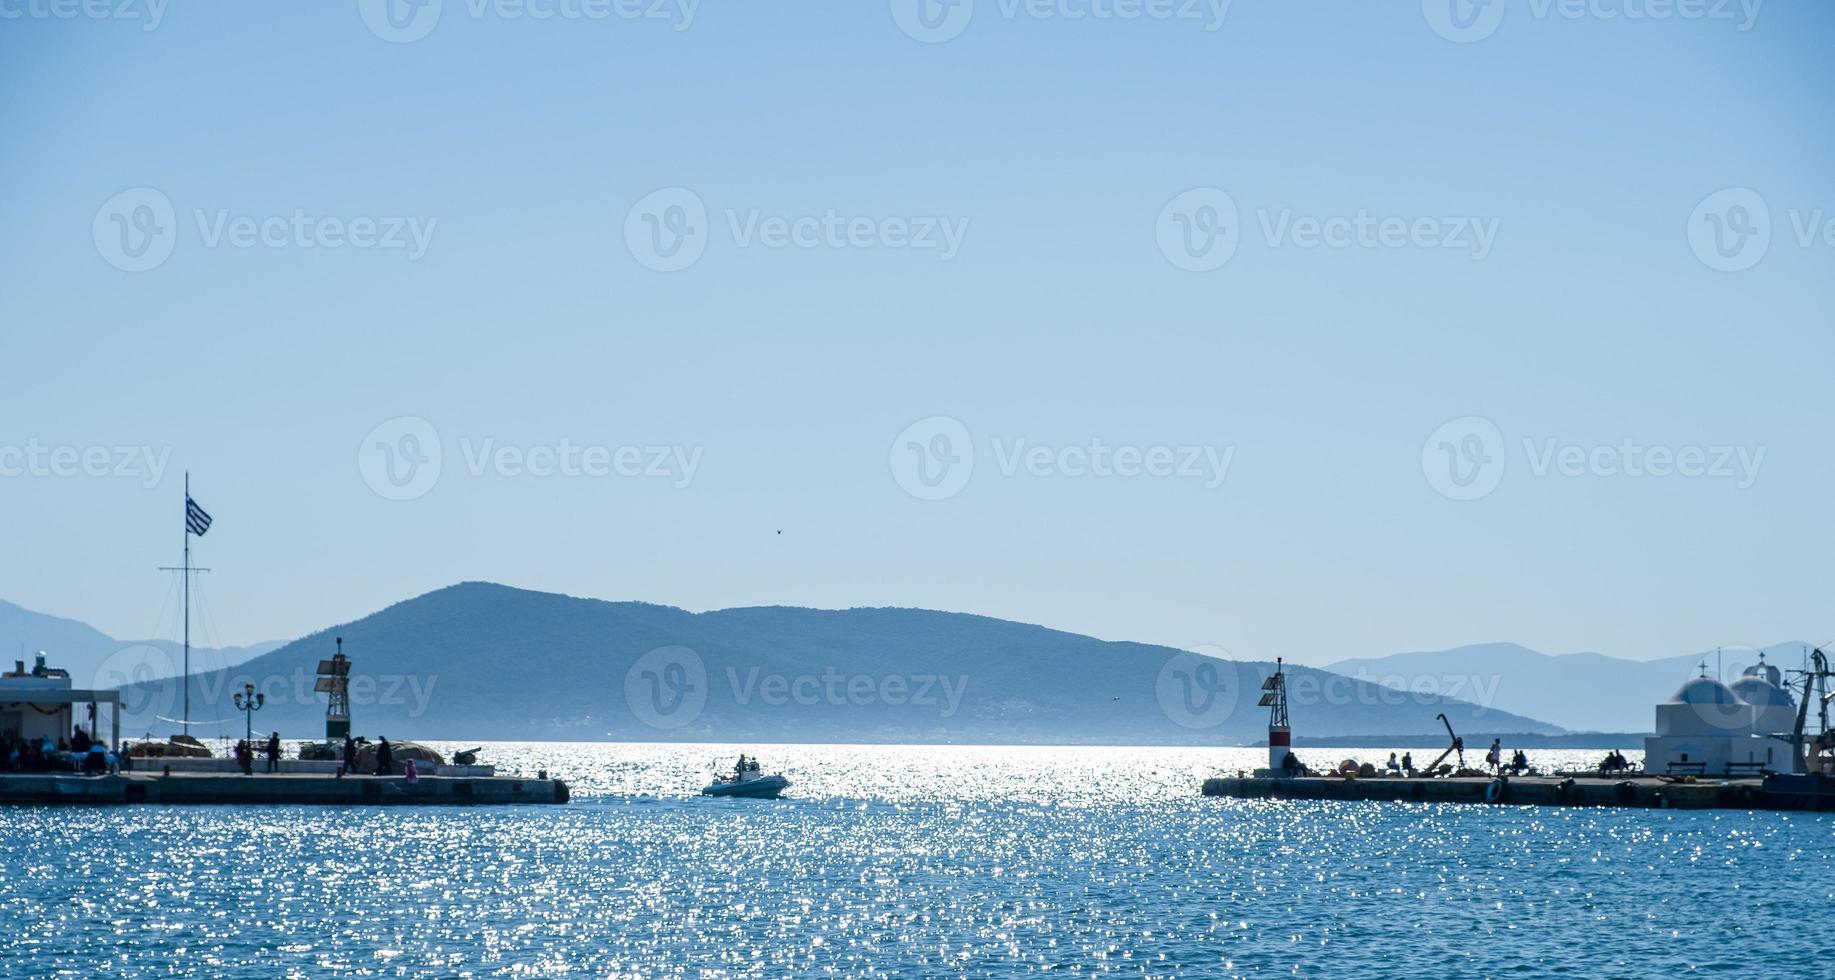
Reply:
x=746, y=781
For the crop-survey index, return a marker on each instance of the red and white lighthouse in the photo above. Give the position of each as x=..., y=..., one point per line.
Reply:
x=1280, y=737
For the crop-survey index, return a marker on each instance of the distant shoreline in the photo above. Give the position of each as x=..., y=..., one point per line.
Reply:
x=1475, y=741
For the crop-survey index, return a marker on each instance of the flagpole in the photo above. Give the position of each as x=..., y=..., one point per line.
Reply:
x=185, y=718
x=202, y=523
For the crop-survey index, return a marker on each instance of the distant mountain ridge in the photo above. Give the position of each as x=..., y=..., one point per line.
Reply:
x=95, y=659
x=1582, y=692
x=485, y=661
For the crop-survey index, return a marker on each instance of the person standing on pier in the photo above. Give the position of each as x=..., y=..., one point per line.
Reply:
x=350, y=754
x=1495, y=757
x=274, y=752
x=385, y=758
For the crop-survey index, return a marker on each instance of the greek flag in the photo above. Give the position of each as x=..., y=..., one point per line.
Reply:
x=196, y=521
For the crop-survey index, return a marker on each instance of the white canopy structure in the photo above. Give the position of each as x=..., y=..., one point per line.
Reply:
x=40, y=703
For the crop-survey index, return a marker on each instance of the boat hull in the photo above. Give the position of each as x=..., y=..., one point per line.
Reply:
x=762, y=788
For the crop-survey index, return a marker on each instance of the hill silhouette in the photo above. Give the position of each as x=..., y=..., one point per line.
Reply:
x=1579, y=691
x=485, y=661
x=95, y=659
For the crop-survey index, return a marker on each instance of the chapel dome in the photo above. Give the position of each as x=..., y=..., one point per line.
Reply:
x=1757, y=690
x=1704, y=690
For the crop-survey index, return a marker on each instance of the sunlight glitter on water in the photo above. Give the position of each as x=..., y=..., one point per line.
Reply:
x=908, y=861
x=1063, y=775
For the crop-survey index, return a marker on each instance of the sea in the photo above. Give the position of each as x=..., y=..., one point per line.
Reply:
x=914, y=861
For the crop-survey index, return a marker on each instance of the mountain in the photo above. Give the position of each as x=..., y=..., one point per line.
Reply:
x=484, y=661
x=1588, y=692
x=95, y=659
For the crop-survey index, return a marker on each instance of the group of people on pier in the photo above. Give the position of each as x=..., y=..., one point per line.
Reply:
x=82, y=753
x=1494, y=759
x=271, y=753
x=78, y=753
x=245, y=754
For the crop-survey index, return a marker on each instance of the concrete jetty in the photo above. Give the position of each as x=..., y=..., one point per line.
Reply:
x=1773, y=793
x=280, y=788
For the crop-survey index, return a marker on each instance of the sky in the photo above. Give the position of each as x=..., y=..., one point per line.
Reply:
x=1318, y=330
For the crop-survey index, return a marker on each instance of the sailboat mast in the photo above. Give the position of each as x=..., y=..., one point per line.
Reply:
x=185, y=680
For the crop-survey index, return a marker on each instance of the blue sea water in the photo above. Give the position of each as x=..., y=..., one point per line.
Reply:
x=913, y=861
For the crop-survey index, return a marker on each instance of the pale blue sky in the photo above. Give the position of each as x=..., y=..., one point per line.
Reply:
x=1585, y=143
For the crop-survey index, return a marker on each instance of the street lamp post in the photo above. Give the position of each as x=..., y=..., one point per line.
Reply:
x=249, y=702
